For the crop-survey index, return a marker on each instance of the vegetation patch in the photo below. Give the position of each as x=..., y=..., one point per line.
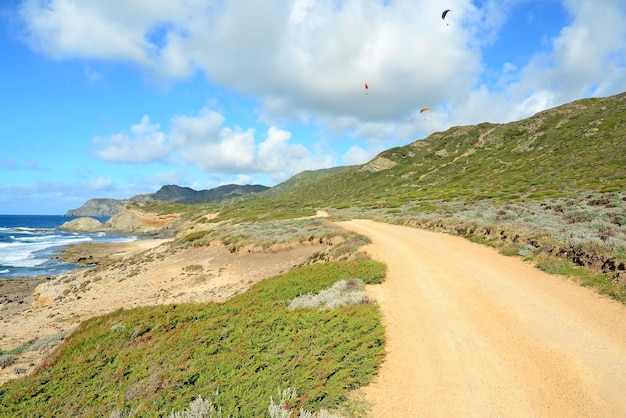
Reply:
x=342, y=293
x=266, y=233
x=154, y=360
x=603, y=283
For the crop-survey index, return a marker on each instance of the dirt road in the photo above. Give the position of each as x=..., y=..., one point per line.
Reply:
x=472, y=333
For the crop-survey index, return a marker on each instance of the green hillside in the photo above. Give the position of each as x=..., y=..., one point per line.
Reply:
x=573, y=149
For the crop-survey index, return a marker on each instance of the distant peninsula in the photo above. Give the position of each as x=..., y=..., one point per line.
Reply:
x=103, y=207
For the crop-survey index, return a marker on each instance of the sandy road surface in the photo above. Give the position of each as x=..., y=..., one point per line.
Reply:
x=472, y=333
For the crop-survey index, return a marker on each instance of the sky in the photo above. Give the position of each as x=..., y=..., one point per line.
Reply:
x=118, y=98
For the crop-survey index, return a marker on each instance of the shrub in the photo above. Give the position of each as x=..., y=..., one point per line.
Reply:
x=553, y=265
x=47, y=341
x=525, y=250
x=199, y=408
x=510, y=249
x=283, y=408
x=6, y=360
x=342, y=293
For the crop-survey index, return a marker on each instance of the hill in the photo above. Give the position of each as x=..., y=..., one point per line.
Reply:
x=186, y=195
x=572, y=149
x=168, y=193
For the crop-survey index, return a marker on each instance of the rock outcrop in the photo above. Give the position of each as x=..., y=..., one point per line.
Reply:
x=128, y=221
x=84, y=224
x=98, y=207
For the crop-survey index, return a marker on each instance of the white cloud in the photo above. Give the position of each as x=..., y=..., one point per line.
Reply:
x=100, y=183
x=585, y=54
x=307, y=60
x=275, y=151
x=302, y=58
x=586, y=58
x=197, y=130
x=144, y=143
x=231, y=151
x=204, y=142
x=357, y=155
x=243, y=179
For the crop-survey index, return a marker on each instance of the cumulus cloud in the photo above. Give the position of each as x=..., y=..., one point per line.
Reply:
x=307, y=60
x=587, y=57
x=203, y=141
x=302, y=58
x=357, y=155
x=143, y=143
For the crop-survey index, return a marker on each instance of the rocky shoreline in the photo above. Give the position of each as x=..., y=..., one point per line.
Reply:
x=16, y=293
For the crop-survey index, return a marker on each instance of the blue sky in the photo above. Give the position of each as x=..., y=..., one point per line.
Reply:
x=118, y=98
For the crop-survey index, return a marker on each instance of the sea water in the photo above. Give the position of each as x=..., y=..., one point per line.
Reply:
x=28, y=244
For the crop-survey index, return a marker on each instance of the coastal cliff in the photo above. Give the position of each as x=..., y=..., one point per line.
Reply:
x=128, y=221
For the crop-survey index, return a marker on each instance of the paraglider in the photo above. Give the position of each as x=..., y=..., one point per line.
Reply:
x=367, y=86
x=444, y=14
x=425, y=109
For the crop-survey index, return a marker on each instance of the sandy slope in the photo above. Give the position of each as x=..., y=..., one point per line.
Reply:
x=472, y=333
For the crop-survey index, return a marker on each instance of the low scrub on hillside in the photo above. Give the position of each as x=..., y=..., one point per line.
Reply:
x=266, y=234
x=154, y=360
x=587, y=232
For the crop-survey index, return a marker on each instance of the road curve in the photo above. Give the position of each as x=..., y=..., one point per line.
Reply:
x=473, y=333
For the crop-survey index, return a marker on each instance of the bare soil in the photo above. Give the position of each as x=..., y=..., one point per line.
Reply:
x=473, y=333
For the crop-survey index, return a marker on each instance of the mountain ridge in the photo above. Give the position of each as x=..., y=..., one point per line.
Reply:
x=168, y=193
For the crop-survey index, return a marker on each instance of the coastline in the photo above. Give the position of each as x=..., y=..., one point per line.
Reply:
x=128, y=275
x=17, y=293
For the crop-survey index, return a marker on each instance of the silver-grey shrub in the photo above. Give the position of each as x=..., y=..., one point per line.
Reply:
x=47, y=342
x=198, y=408
x=344, y=292
x=282, y=410
x=6, y=360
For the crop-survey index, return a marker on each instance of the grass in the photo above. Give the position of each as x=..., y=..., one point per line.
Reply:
x=150, y=361
x=600, y=282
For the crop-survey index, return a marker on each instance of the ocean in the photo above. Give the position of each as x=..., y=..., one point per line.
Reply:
x=28, y=242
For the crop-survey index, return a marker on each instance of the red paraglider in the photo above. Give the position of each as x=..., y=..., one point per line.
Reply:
x=367, y=86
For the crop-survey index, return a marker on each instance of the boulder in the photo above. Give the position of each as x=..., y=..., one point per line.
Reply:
x=85, y=224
